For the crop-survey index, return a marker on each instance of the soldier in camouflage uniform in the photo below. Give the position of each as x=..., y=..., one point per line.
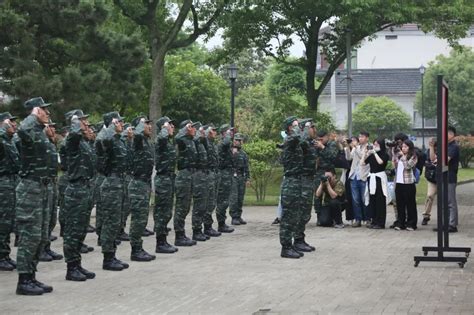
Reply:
x=33, y=197
x=307, y=184
x=112, y=191
x=81, y=171
x=101, y=168
x=62, y=182
x=9, y=168
x=127, y=138
x=165, y=163
x=139, y=189
x=186, y=160
x=292, y=160
x=240, y=180
x=47, y=254
x=200, y=185
x=224, y=178
x=212, y=165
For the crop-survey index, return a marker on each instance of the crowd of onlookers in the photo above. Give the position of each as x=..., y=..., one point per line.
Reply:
x=373, y=174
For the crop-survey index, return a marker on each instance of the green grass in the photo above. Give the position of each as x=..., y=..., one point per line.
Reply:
x=273, y=190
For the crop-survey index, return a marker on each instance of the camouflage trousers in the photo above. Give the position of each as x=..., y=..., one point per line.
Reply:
x=98, y=203
x=211, y=199
x=200, y=198
x=291, y=209
x=224, y=187
x=7, y=212
x=53, y=210
x=139, y=200
x=184, y=192
x=307, y=193
x=237, y=195
x=33, y=199
x=112, y=194
x=76, y=209
x=126, y=204
x=164, y=195
x=317, y=182
x=62, y=184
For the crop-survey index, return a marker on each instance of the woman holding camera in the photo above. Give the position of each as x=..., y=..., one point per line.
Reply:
x=430, y=174
x=405, y=190
x=376, y=196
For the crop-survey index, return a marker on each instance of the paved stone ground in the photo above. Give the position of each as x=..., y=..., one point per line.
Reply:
x=353, y=271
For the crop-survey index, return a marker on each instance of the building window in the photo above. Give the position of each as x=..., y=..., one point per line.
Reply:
x=391, y=37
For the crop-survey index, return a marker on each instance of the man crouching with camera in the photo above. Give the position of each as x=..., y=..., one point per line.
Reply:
x=331, y=194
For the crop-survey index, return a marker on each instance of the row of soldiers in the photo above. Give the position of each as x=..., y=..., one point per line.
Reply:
x=112, y=169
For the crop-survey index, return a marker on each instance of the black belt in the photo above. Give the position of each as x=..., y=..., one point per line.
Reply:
x=191, y=169
x=41, y=180
x=165, y=174
x=142, y=178
x=119, y=175
x=80, y=180
x=294, y=176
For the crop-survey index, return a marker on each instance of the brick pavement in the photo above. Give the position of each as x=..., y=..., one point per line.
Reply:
x=353, y=271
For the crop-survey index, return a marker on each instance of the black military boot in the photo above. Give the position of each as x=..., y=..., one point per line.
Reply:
x=198, y=236
x=147, y=232
x=85, y=272
x=44, y=256
x=5, y=265
x=73, y=273
x=224, y=228
x=163, y=247
x=124, y=264
x=86, y=249
x=235, y=221
x=209, y=231
x=182, y=240
x=110, y=263
x=46, y=288
x=310, y=246
x=299, y=252
x=141, y=255
x=301, y=246
x=124, y=237
x=53, y=254
x=242, y=221
x=289, y=252
x=26, y=286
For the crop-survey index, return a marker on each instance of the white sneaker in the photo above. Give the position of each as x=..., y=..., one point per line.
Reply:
x=397, y=228
x=410, y=229
x=339, y=226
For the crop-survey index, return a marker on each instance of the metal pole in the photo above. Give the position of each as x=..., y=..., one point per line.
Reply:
x=422, y=115
x=349, y=82
x=232, y=102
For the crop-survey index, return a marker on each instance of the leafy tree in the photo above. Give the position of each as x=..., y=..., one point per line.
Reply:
x=272, y=25
x=263, y=157
x=61, y=51
x=466, y=145
x=284, y=79
x=458, y=71
x=380, y=116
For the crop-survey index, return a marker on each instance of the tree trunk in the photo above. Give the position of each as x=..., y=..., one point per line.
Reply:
x=311, y=95
x=157, y=85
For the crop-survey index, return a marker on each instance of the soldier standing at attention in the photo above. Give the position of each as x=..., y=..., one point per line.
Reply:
x=187, y=153
x=212, y=165
x=63, y=180
x=33, y=197
x=226, y=173
x=9, y=168
x=112, y=191
x=165, y=163
x=47, y=254
x=139, y=189
x=127, y=138
x=101, y=168
x=78, y=194
x=292, y=160
x=240, y=180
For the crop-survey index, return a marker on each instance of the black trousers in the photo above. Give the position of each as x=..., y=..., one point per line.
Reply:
x=378, y=205
x=406, y=205
x=349, y=211
x=332, y=213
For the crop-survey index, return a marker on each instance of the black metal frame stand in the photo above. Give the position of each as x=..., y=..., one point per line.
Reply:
x=442, y=186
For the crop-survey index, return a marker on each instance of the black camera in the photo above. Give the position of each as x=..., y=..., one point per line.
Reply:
x=370, y=147
x=280, y=146
x=324, y=179
x=391, y=143
x=349, y=141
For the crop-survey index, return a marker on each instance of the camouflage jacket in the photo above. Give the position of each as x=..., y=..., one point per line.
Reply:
x=165, y=153
x=224, y=153
x=53, y=160
x=142, y=155
x=240, y=161
x=9, y=156
x=79, y=154
x=327, y=156
x=187, y=152
x=292, y=157
x=309, y=155
x=201, y=156
x=116, y=158
x=212, y=158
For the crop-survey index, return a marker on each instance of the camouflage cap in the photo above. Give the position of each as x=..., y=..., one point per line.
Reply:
x=288, y=121
x=6, y=115
x=184, y=123
x=79, y=113
x=136, y=120
x=224, y=128
x=35, y=102
x=197, y=124
x=110, y=116
x=209, y=126
x=239, y=136
x=303, y=122
x=163, y=120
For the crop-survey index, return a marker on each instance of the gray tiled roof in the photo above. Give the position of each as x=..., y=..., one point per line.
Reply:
x=377, y=81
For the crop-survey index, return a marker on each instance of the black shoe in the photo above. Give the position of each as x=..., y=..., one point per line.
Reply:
x=141, y=255
x=163, y=247
x=302, y=247
x=235, y=221
x=53, y=254
x=147, y=232
x=224, y=228
x=90, y=229
x=276, y=221
x=85, y=272
x=183, y=240
x=112, y=265
x=124, y=264
x=46, y=288
x=452, y=229
x=211, y=232
x=124, y=237
x=26, y=286
x=310, y=246
x=298, y=251
x=289, y=252
x=198, y=236
x=86, y=249
x=5, y=265
x=425, y=221
x=73, y=273
x=52, y=238
x=44, y=256
x=242, y=221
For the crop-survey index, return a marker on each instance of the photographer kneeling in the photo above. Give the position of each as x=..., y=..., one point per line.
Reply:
x=331, y=194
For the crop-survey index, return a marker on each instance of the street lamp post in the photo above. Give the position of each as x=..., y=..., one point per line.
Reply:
x=232, y=72
x=422, y=72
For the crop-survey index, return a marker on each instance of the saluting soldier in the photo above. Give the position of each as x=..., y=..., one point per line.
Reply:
x=139, y=189
x=63, y=180
x=101, y=168
x=78, y=194
x=165, y=163
x=127, y=138
x=9, y=168
x=33, y=197
x=240, y=180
